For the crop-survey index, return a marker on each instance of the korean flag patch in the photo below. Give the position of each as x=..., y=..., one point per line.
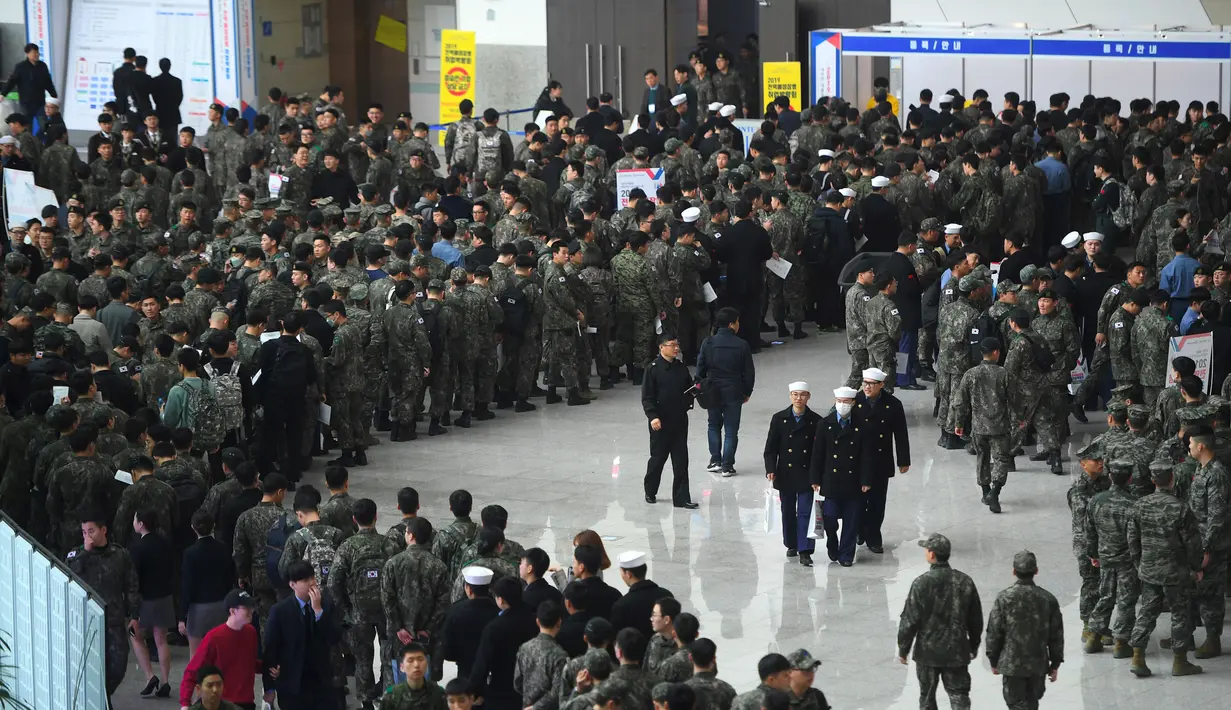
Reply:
x=373, y=573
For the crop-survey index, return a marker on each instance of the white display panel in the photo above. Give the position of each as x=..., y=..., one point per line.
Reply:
x=1071, y=76
x=996, y=76
x=100, y=30
x=1191, y=81
x=924, y=72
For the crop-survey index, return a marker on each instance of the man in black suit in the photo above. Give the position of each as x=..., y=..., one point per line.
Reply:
x=492, y=676
x=788, y=453
x=909, y=299
x=142, y=87
x=789, y=119
x=534, y=564
x=745, y=247
x=836, y=472
x=572, y=634
x=634, y=608
x=121, y=81
x=153, y=135
x=883, y=421
x=587, y=563
x=463, y=627
x=168, y=93
x=298, y=637
x=881, y=224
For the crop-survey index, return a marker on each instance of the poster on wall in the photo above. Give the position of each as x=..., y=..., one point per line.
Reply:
x=457, y=72
x=648, y=179
x=826, y=58
x=782, y=79
x=179, y=30
x=1198, y=347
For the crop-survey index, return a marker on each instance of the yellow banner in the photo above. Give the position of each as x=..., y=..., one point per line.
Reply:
x=391, y=33
x=782, y=79
x=456, y=72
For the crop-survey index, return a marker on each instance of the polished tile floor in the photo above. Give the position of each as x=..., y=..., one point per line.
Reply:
x=563, y=469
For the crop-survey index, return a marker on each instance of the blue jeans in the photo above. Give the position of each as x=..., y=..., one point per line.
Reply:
x=797, y=521
x=909, y=345
x=724, y=417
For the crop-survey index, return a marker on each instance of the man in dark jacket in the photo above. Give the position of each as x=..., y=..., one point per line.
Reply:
x=635, y=607
x=298, y=637
x=788, y=456
x=33, y=83
x=909, y=300
x=666, y=397
x=744, y=248
x=335, y=182
x=121, y=82
x=881, y=224
x=492, y=675
x=828, y=245
x=727, y=375
x=167, y=90
x=837, y=474
x=286, y=371
x=881, y=419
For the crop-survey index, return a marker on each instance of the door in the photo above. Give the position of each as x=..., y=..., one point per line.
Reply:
x=571, y=52
x=638, y=42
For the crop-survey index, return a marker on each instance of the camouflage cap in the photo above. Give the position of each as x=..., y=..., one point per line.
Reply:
x=16, y=260
x=1025, y=562
x=284, y=210
x=254, y=215
x=1175, y=188
x=352, y=211
x=265, y=203
x=1190, y=415
x=377, y=232
x=358, y=292
x=1008, y=287
x=1117, y=406
x=1137, y=412
x=384, y=210
x=660, y=691
x=1160, y=470
x=801, y=660
x=936, y=543
x=1028, y=273
x=970, y=282
x=323, y=201
x=188, y=260
x=672, y=145
x=331, y=211
x=436, y=285
x=457, y=274
x=397, y=266
x=418, y=260
x=930, y=224
x=1120, y=466
x=230, y=202
x=222, y=220
x=128, y=178
x=641, y=152
x=592, y=152
x=1045, y=272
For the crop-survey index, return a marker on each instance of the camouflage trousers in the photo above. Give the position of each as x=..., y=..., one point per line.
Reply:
x=1118, y=590
x=521, y=364
x=956, y=681
x=946, y=384
x=992, y=455
x=599, y=346
x=634, y=339
x=115, y=654
x=404, y=396
x=926, y=349
x=440, y=383
x=1150, y=393
x=788, y=297
x=1023, y=692
x=311, y=405
x=560, y=355
x=363, y=637
x=1155, y=599
x=1088, y=595
x=1208, y=595
x=1043, y=418
x=694, y=327
x=1099, y=363
x=372, y=395
x=463, y=369
x=859, y=363
x=486, y=367
x=344, y=415
x=885, y=357
x=585, y=358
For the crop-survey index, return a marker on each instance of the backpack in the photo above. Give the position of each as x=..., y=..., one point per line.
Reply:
x=1126, y=213
x=983, y=327
x=205, y=416
x=188, y=498
x=988, y=213
x=275, y=541
x=488, y=152
x=320, y=555
x=464, y=140
x=1041, y=355
x=816, y=238
x=580, y=193
x=230, y=395
x=516, y=310
x=364, y=590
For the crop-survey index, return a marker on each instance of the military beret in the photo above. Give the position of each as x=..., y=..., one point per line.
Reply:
x=116, y=203
x=1047, y=293
x=141, y=205
x=384, y=209
x=217, y=107
x=929, y=224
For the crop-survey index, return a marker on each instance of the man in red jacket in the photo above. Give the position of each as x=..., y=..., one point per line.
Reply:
x=232, y=648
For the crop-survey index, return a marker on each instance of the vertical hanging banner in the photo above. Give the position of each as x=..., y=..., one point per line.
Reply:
x=826, y=64
x=226, y=52
x=782, y=79
x=38, y=30
x=249, y=102
x=456, y=72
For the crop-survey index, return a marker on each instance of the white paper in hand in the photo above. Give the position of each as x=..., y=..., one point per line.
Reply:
x=322, y=413
x=658, y=326
x=779, y=266
x=933, y=176
x=124, y=477
x=859, y=244
x=591, y=329
x=710, y=295
x=266, y=337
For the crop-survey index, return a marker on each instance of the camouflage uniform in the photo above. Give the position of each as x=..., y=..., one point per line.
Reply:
x=344, y=386
x=339, y=511
x=602, y=291
x=712, y=692
x=355, y=585
x=560, y=326
x=1165, y=545
x=498, y=565
x=1025, y=640
x=787, y=297
x=637, y=303
x=109, y=571
x=884, y=330
x=943, y=620
x=1107, y=517
x=983, y=400
x=1210, y=500
x=953, y=337
x=448, y=543
x=74, y=489
x=402, y=697
x=1079, y=495
x=693, y=324
x=486, y=364
x=402, y=340
x=414, y=593
x=146, y=493
x=1151, y=334
x=251, y=531
x=540, y=661
x=857, y=300
x=1061, y=338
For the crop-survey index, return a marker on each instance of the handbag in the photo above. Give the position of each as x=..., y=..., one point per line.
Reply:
x=817, y=531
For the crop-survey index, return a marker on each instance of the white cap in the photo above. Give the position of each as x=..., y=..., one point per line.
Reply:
x=477, y=575
x=873, y=373
x=8, y=140
x=948, y=98
x=1070, y=240
x=715, y=106
x=51, y=102
x=692, y=214
x=880, y=181
x=678, y=99
x=799, y=386
x=825, y=153
x=629, y=560
x=847, y=192
x=953, y=228
x=845, y=393
x=1092, y=237
x=727, y=111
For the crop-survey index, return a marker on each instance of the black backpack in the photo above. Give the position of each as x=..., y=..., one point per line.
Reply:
x=516, y=308
x=983, y=327
x=816, y=237
x=1044, y=359
x=275, y=541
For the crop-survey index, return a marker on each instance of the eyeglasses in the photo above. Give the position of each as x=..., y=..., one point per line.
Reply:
x=871, y=383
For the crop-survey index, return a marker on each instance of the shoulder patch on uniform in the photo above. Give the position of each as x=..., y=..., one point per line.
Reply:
x=696, y=252
x=919, y=250
x=1115, y=289
x=867, y=298
x=373, y=573
x=948, y=292
x=420, y=321
x=1118, y=325
x=72, y=554
x=894, y=312
x=561, y=279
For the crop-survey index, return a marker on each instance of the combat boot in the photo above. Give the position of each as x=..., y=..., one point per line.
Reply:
x=799, y=333
x=1094, y=643
x=1121, y=650
x=393, y=431
x=382, y=421
x=783, y=331
x=464, y=421
x=1079, y=412
x=1053, y=460
x=553, y=396
x=954, y=443
x=434, y=428
x=406, y=432
x=361, y=456
x=575, y=398
x=524, y=406
x=1040, y=456
x=1210, y=649
x=1085, y=632
x=1138, y=666
x=1181, y=666
x=993, y=500
x=446, y=419
x=987, y=492
x=927, y=373
x=638, y=375
x=605, y=383
x=482, y=413
x=344, y=460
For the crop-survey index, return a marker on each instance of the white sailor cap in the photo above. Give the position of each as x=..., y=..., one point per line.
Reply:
x=1092, y=237
x=51, y=101
x=880, y=181
x=1070, y=240
x=728, y=111
x=874, y=373
x=845, y=393
x=631, y=559
x=8, y=140
x=798, y=386
x=477, y=576
x=678, y=99
x=692, y=214
x=953, y=228
x=847, y=192
x=825, y=153
x=715, y=106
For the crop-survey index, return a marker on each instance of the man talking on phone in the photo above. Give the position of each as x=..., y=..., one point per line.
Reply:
x=302, y=629
x=666, y=396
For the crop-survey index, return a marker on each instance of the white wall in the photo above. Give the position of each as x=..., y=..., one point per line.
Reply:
x=1054, y=14
x=13, y=12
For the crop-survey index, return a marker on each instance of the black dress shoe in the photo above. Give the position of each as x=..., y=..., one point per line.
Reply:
x=846, y=563
x=805, y=559
x=688, y=506
x=877, y=549
x=650, y=499
x=790, y=552
x=914, y=388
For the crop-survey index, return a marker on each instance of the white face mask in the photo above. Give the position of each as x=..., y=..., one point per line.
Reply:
x=844, y=408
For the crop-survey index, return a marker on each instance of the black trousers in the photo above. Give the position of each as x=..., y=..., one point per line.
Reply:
x=670, y=441
x=823, y=290
x=281, y=437
x=874, y=512
x=314, y=699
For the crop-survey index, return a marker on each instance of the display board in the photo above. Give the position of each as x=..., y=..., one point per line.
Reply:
x=179, y=30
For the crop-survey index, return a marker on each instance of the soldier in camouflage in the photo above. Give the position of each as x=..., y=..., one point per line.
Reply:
x=983, y=400
x=77, y=487
x=943, y=620
x=1092, y=481
x=1152, y=331
x=414, y=591
x=857, y=299
x=787, y=297
x=401, y=338
x=884, y=328
x=486, y=362
x=147, y=492
x=1210, y=500
x=952, y=336
x=251, y=531
x=1107, y=516
x=448, y=543
x=1059, y=334
x=637, y=303
x=562, y=317
x=540, y=661
x=344, y=384
x=691, y=260
x=1025, y=636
